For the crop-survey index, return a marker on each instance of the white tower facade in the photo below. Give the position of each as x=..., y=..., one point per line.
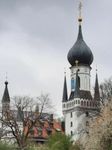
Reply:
x=84, y=76
x=80, y=105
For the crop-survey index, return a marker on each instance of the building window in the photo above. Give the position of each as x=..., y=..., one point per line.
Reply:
x=87, y=104
x=81, y=103
x=71, y=124
x=71, y=115
x=72, y=84
x=71, y=133
x=49, y=131
x=39, y=131
x=84, y=103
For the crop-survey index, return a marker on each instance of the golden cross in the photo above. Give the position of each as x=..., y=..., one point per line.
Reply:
x=6, y=76
x=65, y=71
x=80, y=11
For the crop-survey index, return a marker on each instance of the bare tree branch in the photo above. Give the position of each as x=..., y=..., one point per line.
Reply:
x=27, y=116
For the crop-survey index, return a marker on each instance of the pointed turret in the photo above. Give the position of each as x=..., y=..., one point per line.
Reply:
x=77, y=90
x=6, y=98
x=65, y=94
x=96, y=89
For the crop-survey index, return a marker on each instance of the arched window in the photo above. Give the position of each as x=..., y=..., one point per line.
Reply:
x=84, y=103
x=81, y=103
x=71, y=124
x=72, y=84
x=87, y=104
x=71, y=115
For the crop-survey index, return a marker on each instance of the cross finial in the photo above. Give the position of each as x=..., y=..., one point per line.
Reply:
x=80, y=11
x=6, y=76
x=96, y=69
x=65, y=71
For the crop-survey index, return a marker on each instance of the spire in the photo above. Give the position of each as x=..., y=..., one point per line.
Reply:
x=77, y=90
x=80, y=20
x=80, y=36
x=6, y=98
x=96, y=89
x=65, y=94
x=77, y=80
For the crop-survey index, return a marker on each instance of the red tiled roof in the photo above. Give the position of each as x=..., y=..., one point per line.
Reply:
x=42, y=131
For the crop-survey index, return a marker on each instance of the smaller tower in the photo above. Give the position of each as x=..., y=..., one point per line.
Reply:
x=96, y=91
x=5, y=99
x=65, y=94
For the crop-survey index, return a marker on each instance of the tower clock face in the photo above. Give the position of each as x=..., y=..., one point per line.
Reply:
x=72, y=84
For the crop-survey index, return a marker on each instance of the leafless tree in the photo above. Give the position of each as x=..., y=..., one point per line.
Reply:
x=106, y=89
x=44, y=102
x=21, y=121
x=100, y=131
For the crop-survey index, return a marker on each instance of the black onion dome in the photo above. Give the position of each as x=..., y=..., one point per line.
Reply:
x=80, y=51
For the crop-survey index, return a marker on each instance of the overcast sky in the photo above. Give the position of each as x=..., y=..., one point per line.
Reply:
x=36, y=35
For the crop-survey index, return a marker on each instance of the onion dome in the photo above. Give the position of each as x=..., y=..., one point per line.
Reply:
x=80, y=51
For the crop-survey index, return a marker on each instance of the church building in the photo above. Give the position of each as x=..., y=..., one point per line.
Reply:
x=80, y=105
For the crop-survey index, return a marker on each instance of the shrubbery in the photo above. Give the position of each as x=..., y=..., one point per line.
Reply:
x=60, y=141
x=4, y=146
x=57, y=141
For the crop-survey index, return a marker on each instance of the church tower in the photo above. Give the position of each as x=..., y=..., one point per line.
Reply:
x=5, y=99
x=80, y=106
